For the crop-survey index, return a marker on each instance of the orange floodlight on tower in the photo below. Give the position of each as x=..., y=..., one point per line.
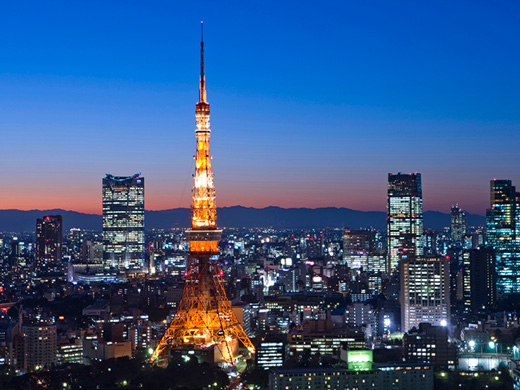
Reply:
x=204, y=319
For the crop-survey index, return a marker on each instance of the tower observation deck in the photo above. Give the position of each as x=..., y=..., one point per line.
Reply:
x=204, y=320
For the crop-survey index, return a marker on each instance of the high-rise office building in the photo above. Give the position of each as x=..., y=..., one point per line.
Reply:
x=479, y=278
x=123, y=222
x=503, y=234
x=404, y=218
x=458, y=226
x=75, y=241
x=49, y=240
x=425, y=291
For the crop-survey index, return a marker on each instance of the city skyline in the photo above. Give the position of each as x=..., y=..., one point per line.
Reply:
x=314, y=107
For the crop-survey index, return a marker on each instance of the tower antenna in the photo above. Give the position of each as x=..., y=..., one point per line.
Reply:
x=202, y=87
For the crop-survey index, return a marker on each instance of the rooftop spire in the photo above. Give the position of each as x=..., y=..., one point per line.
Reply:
x=202, y=87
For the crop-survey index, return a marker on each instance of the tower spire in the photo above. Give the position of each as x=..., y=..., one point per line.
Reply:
x=202, y=87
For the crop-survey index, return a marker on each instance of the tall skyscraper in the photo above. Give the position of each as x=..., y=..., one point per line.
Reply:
x=425, y=291
x=123, y=222
x=503, y=234
x=49, y=240
x=458, y=226
x=404, y=218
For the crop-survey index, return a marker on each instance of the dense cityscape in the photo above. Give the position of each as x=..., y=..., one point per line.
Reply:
x=311, y=301
x=349, y=306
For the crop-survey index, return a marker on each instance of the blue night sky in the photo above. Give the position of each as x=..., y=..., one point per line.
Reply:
x=313, y=104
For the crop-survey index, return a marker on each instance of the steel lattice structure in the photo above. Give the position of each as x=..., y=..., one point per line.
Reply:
x=204, y=318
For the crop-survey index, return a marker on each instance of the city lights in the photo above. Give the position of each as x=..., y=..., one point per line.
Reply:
x=311, y=278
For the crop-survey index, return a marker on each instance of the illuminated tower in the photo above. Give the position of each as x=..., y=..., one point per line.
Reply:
x=204, y=320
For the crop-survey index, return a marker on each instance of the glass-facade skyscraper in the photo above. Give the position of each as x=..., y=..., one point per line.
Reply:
x=404, y=218
x=503, y=234
x=123, y=222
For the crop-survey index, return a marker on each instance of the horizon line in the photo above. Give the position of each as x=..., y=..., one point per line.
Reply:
x=246, y=207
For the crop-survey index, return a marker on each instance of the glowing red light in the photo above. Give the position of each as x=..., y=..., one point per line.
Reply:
x=221, y=273
x=185, y=274
x=4, y=308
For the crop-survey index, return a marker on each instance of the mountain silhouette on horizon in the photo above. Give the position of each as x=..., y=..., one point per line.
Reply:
x=233, y=217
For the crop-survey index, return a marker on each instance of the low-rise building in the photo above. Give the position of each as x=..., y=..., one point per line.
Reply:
x=270, y=353
x=429, y=344
x=361, y=374
x=70, y=351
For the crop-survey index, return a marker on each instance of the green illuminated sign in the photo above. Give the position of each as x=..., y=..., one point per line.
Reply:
x=359, y=360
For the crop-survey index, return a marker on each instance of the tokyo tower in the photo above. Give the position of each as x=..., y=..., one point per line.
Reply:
x=204, y=320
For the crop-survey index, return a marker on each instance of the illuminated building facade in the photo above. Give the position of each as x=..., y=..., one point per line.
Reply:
x=503, y=234
x=430, y=344
x=358, y=245
x=270, y=353
x=40, y=346
x=204, y=322
x=458, y=226
x=404, y=218
x=75, y=243
x=300, y=343
x=49, y=240
x=362, y=374
x=70, y=351
x=425, y=292
x=123, y=222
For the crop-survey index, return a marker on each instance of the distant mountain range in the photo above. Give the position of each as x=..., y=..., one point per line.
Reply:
x=236, y=216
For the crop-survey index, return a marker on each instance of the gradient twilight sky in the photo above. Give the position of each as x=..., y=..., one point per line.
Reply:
x=313, y=104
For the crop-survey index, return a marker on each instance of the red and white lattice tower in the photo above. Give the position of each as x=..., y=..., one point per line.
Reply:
x=204, y=318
